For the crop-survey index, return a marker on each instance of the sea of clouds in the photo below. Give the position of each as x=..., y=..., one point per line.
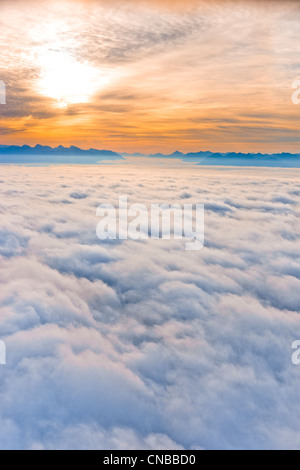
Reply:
x=142, y=344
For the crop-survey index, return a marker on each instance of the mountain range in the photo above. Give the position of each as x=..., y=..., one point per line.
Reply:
x=46, y=150
x=45, y=154
x=282, y=160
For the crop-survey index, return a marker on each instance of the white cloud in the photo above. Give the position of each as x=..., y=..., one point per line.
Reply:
x=143, y=344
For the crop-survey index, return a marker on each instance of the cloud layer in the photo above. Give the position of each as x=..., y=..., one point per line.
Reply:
x=143, y=344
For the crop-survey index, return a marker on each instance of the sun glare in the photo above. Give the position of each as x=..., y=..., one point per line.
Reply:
x=66, y=80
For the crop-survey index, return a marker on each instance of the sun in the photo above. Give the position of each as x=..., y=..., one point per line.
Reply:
x=67, y=81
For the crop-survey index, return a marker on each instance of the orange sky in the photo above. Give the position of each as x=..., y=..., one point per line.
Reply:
x=151, y=75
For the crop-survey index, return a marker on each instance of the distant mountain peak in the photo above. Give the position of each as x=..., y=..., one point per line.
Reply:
x=41, y=154
x=46, y=150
